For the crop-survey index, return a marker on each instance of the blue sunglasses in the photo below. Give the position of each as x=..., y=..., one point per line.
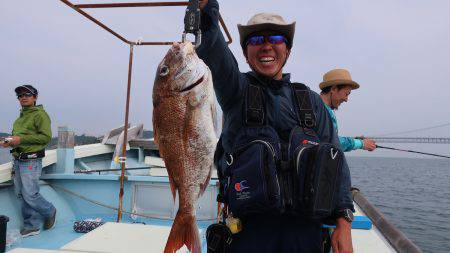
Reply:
x=261, y=39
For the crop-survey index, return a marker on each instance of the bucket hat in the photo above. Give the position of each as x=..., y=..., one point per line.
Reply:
x=266, y=22
x=338, y=77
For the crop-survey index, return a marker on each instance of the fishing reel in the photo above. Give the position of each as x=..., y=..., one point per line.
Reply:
x=218, y=238
x=192, y=22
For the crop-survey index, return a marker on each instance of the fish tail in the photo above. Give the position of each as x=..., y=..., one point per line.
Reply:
x=184, y=231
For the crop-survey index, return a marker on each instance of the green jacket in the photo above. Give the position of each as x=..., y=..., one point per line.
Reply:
x=34, y=129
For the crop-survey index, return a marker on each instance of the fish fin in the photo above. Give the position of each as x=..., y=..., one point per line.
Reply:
x=156, y=139
x=184, y=232
x=155, y=134
x=173, y=186
x=205, y=184
x=214, y=116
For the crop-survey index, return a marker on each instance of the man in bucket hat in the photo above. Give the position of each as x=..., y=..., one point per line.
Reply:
x=335, y=89
x=31, y=134
x=266, y=42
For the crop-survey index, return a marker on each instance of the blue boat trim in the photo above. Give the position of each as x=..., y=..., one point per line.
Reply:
x=360, y=222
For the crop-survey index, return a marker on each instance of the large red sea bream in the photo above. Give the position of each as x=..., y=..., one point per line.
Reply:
x=184, y=115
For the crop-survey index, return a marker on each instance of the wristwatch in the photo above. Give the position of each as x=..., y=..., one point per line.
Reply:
x=347, y=214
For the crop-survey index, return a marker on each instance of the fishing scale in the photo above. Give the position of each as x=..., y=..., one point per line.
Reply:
x=192, y=22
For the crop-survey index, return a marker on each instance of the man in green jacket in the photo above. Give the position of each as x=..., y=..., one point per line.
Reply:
x=31, y=134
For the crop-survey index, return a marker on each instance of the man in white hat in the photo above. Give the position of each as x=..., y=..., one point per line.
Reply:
x=335, y=89
x=266, y=42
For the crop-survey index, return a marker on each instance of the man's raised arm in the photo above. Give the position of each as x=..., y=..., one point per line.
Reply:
x=215, y=53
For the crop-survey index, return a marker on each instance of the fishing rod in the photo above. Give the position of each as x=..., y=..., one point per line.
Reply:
x=412, y=151
x=109, y=170
x=404, y=150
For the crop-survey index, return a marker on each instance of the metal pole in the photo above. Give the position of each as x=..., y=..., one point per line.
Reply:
x=79, y=8
x=122, y=5
x=95, y=21
x=125, y=136
x=225, y=29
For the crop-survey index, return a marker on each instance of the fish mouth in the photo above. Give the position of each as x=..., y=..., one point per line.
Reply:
x=190, y=87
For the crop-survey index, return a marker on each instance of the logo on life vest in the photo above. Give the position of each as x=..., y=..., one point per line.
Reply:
x=241, y=186
x=304, y=142
x=333, y=156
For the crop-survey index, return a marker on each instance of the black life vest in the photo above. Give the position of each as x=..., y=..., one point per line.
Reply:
x=263, y=175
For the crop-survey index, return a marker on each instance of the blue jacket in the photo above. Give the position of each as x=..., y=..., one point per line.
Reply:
x=347, y=143
x=230, y=84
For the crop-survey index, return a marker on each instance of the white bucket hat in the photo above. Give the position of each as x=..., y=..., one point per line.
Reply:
x=266, y=22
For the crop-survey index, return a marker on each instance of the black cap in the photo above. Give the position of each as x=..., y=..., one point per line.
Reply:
x=26, y=88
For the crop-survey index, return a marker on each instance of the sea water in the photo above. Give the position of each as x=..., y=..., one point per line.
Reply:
x=413, y=193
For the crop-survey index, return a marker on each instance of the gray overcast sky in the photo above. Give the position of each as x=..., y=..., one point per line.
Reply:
x=399, y=51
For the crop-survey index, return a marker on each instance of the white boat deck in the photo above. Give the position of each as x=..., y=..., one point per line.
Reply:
x=370, y=241
x=124, y=238
x=116, y=237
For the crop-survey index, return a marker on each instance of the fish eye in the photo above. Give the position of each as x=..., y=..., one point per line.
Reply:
x=164, y=71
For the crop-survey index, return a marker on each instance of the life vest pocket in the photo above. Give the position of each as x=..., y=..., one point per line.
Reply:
x=318, y=169
x=253, y=184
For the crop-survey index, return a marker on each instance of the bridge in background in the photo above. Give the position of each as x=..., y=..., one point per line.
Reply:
x=432, y=140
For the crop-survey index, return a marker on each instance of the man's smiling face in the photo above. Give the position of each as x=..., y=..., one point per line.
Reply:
x=267, y=58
